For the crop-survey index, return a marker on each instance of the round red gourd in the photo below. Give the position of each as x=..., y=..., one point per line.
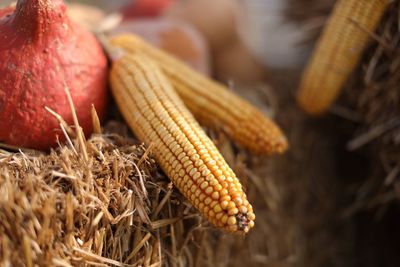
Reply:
x=41, y=51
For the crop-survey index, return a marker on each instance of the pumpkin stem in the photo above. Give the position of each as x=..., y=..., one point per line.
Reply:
x=36, y=17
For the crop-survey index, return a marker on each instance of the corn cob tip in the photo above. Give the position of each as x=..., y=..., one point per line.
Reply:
x=281, y=144
x=244, y=223
x=238, y=219
x=268, y=138
x=277, y=145
x=313, y=108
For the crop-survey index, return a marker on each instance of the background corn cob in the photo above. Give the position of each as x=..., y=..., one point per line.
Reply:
x=338, y=52
x=157, y=116
x=211, y=102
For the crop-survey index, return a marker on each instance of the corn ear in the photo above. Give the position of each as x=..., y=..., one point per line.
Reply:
x=338, y=52
x=157, y=116
x=211, y=102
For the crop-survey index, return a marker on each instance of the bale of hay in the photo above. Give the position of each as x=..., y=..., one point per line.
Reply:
x=102, y=204
x=104, y=201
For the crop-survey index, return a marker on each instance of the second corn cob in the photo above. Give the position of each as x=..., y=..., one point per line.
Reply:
x=211, y=102
x=157, y=116
x=338, y=52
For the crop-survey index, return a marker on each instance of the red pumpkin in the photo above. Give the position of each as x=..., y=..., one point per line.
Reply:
x=41, y=52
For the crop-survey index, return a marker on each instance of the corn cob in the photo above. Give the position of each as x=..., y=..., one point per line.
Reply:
x=338, y=52
x=211, y=102
x=157, y=116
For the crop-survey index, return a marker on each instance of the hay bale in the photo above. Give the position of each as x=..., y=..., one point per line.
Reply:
x=105, y=202
x=111, y=207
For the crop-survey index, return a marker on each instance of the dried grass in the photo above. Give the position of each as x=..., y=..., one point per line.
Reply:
x=109, y=205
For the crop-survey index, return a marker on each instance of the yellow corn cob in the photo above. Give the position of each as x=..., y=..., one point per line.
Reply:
x=338, y=52
x=157, y=116
x=211, y=102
